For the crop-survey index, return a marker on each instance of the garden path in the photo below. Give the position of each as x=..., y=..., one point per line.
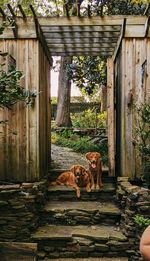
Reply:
x=64, y=158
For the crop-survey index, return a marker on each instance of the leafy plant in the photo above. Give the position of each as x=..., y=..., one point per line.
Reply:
x=79, y=144
x=89, y=119
x=141, y=222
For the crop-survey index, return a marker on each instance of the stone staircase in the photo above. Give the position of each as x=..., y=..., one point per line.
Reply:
x=81, y=229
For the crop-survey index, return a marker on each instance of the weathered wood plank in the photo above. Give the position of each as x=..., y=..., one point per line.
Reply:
x=105, y=54
x=82, y=40
x=106, y=20
x=111, y=116
x=80, y=49
x=80, y=35
x=60, y=29
x=26, y=29
x=82, y=45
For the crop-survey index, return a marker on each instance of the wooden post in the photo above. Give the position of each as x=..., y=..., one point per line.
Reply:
x=111, y=116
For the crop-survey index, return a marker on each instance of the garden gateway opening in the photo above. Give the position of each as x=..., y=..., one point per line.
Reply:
x=124, y=40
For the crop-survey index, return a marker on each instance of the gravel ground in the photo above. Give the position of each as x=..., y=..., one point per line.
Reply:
x=64, y=158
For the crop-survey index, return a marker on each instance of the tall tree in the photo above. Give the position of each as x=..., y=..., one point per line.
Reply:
x=64, y=91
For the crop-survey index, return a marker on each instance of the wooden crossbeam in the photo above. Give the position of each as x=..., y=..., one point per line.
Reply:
x=82, y=45
x=77, y=53
x=83, y=40
x=66, y=10
x=89, y=10
x=147, y=9
x=78, y=9
x=147, y=24
x=40, y=36
x=14, y=27
x=22, y=11
x=3, y=13
x=120, y=40
x=79, y=49
x=11, y=10
x=81, y=35
x=91, y=29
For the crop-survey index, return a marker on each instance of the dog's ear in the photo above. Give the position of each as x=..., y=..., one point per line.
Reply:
x=98, y=155
x=87, y=155
x=83, y=170
x=72, y=169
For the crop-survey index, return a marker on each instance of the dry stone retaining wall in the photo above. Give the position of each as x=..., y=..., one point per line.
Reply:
x=20, y=205
x=134, y=200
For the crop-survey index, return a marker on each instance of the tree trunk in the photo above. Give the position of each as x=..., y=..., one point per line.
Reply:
x=104, y=99
x=64, y=92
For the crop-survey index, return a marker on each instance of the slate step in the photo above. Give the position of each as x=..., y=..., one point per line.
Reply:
x=80, y=212
x=80, y=241
x=89, y=259
x=63, y=193
x=54, y=173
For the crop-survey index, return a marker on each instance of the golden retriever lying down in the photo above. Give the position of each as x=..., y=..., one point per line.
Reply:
x=95, y=168
x=77, y=177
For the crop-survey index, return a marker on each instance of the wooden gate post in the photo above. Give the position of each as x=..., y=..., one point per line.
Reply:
x=111, y=116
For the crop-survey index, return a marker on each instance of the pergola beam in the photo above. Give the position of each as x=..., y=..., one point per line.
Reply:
x=40, y=36
x=120, y=39
x=2, y=13
x=15, y=26
x=22, y=11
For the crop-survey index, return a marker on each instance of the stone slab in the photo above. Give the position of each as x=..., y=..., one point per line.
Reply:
x=103, y=208
x=89, y=259
x=100, y=233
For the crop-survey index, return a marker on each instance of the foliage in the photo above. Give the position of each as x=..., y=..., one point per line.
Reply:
x=141, y=222
x=10, y=90
x=89, y=119
x=142, y=137
x=87, y=73
x=79, y=144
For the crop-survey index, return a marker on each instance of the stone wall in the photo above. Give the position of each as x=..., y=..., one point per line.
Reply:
x=20, y=205
x=134, y=200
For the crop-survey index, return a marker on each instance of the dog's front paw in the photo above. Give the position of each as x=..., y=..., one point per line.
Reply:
x=88, y=190
x=97, y=187
x=78, y=194
x=93, y=187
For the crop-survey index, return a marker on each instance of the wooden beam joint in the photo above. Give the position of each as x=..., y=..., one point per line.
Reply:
x=120, y=39
x=40, y=36
x=147, y=24
x=14, y=25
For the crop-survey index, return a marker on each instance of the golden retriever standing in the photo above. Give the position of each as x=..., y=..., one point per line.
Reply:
x=95, y=167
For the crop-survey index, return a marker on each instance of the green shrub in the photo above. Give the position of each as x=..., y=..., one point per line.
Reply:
x=141, y=222
x=79, y=144
x=89, y=119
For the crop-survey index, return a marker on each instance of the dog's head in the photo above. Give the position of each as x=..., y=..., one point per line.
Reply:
x=78, y=171
x=93, y=158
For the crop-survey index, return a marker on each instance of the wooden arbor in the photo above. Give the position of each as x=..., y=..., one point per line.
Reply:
x=32, y=43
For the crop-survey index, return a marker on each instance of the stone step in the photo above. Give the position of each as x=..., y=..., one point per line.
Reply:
x=67, y=193
x=80, y=241
x=54, y=173
x=80, y=212
x=88, y=259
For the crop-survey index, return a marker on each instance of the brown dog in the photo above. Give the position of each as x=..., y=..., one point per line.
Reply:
x=95, y=167
x=68, y=178
x=77, y=177
x=84, y=177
